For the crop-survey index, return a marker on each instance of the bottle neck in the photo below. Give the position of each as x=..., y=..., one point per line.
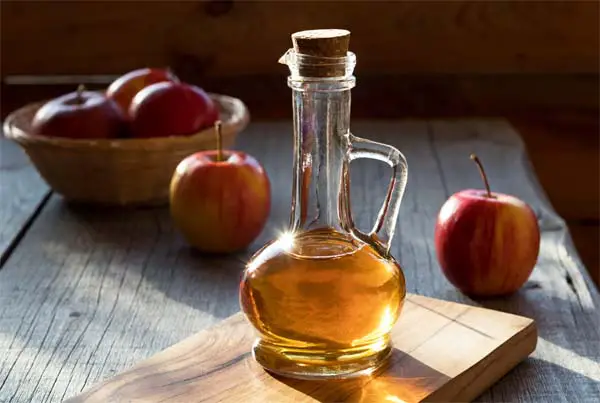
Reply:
x=321, y=130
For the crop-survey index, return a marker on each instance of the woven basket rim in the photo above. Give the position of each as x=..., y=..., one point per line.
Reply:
x=237, y=119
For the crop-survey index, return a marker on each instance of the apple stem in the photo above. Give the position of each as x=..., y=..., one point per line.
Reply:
x=482, y=173
x=80, y=90
x=219, y=140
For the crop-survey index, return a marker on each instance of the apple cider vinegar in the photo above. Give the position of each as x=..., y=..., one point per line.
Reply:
x=324, y=296
x=321, y=300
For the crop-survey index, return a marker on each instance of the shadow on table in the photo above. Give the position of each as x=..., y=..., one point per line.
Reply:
x=404, y=379
x=146, y=242
x=531, y=381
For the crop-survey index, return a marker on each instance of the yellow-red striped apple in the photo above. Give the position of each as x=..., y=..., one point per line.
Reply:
x=487, y=243
x=220, y=200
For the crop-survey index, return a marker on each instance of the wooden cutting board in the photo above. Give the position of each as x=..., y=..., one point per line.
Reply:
x=444, y=351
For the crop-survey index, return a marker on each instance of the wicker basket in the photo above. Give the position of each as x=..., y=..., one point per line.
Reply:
x=117, y=171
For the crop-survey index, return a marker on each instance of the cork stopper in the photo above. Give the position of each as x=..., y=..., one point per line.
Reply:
x=322, y=45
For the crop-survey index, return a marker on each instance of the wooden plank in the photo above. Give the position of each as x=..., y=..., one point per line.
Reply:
x=443, y=351
x=406, y=37
x=398, y=95
x=89, y=293
x=22, y=194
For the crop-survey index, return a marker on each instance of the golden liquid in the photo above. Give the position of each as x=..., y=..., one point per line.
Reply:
x=324, y=304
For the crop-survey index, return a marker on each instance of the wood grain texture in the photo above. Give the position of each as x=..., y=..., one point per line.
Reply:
x=443, y=351
x=397, y=96
x=89, y=293
x=22, y=195
x=204, y=36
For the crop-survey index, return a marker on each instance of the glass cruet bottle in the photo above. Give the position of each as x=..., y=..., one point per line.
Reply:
x=324, y=295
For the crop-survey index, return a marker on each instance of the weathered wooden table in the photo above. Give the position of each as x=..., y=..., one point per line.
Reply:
x=86, y=293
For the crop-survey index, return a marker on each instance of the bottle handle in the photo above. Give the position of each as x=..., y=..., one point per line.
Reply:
x=382, y=232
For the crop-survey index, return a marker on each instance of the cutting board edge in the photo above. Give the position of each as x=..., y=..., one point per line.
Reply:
x=479, y=378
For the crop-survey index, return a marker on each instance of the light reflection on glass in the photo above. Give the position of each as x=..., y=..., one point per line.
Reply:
x=390, y=398
x=286, y=241
x=387, y=320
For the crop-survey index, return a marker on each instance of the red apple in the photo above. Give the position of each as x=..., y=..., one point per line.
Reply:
x=81, y=114
x=487, y=243
x=171, y=109
x=220, y=200
x=125, y=88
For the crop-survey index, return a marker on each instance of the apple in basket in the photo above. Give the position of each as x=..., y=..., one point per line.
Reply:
x=126, y=87
x=220, y=199
x=171, y=109
x=80, y=115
